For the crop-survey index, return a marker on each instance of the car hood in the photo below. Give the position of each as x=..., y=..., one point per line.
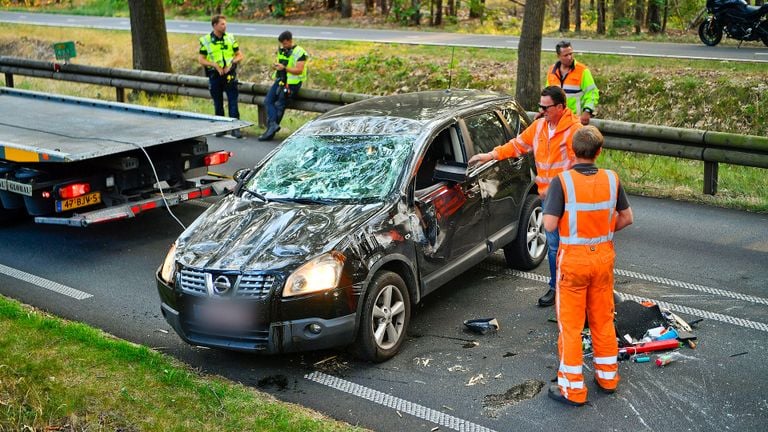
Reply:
x=240, y=234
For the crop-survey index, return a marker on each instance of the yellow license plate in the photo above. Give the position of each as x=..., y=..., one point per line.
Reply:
x=77, y=202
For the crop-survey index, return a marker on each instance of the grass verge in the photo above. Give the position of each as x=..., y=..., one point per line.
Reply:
x=59, y=375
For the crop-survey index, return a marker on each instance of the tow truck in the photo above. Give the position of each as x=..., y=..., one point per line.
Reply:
x=75, y=161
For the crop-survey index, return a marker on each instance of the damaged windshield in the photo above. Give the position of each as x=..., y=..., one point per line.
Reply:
x=334, y=167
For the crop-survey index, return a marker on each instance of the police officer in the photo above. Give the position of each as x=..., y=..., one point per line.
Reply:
x=289, y=74
x=220, y=55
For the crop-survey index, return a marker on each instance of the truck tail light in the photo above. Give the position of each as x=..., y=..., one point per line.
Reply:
x=217, y=158
x=74, y=190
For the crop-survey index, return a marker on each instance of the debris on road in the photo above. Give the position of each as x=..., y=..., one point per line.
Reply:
x=738, y=354
x=479, y=378
x=457, y=368
x=482, y=325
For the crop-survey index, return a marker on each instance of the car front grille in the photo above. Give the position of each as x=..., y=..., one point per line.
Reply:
x=255, y=285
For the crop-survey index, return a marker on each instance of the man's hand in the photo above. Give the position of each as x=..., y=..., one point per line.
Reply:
x=226, y=70
x=585, y=116
x=480, y=158
x=219, y=69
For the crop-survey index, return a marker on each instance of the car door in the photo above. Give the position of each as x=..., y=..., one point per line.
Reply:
x=451, y=213
x=504, y=183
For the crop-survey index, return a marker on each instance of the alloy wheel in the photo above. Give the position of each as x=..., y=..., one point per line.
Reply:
x=388, y=317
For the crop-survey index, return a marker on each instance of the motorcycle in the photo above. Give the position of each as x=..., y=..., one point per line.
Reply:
x=737, y=19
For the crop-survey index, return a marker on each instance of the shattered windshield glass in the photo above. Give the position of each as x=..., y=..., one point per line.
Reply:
x=334, y=167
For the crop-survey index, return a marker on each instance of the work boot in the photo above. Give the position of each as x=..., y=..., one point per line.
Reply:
x=603, y=389
x=236, y=134
x=554, y=393
x=220, y=134
x=547, y=299
x=272, y=129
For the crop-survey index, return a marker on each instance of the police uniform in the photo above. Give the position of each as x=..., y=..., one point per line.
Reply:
x=221, y=50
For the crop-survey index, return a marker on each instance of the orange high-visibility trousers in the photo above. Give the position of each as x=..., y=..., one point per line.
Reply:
x=585, y=285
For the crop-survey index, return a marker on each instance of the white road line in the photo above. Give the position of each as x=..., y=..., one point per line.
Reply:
x=671, y=306
x=628, y=47
x=44, y=283
x=690, y=286
x=396, y=403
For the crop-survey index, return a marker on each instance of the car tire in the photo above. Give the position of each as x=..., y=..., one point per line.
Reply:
x=385, y=317
x=530, y=245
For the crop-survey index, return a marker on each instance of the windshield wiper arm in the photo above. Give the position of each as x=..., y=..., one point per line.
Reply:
x=256, y=194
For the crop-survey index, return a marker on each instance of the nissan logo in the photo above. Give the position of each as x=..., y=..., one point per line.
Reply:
x=221, y=285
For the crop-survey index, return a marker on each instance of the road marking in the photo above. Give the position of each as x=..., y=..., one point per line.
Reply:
x=401, y=405
x=44, y=283
x=628, y=47
x=761, y=53
x=671, y=306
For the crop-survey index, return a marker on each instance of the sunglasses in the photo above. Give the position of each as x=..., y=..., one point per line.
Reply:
x=545, y=107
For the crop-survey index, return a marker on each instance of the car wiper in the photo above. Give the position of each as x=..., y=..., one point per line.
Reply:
x=313, y=200
x=256, y=194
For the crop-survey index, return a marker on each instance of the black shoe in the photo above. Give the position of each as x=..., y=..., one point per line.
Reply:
x=236, y=134
x=603, y=389
x=220, y=134
x=554, y=393
x=547, y=299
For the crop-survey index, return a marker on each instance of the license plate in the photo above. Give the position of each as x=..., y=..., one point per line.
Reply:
x=3, y=184
x=20, y=188
x=77, y=202
x=224, y=315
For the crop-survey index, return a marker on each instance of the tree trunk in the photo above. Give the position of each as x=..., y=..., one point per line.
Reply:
x=666, y=15
x=384, y=8
x=452, y=8
x=565, y=17
x=369, y=6
x=416, y=17
x=148, y=36
x=639, y=15
x=438, y=17
x=600, y=16
x=577, y=16
x=528, y=86
x=654, y=16
x=346, y=8
x=331, y=5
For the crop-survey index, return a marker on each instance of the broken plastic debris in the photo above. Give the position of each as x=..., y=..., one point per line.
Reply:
x=482, y=325
x=475, y=379
x=459, y=368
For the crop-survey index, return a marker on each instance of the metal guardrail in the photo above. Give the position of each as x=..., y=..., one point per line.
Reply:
x=708, y=146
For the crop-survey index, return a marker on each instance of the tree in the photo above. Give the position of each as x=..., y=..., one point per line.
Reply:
x=601, y=16
x=565, y=17
x=639, y=15
x=528, y=87
x=148, y=36
x=577, y=16
x=346, y=8
x=619, y=13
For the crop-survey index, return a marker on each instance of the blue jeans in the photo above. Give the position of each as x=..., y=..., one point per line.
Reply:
x=553, y=241
x=218, y=85
x=276, y=100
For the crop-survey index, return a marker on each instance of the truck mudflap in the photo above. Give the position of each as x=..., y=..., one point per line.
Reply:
x=132, y=209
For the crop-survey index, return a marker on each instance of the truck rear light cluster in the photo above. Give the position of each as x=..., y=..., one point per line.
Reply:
x=217, y=158
x=74, y=190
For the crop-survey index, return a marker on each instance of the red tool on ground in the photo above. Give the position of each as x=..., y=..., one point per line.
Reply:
x=650, y=346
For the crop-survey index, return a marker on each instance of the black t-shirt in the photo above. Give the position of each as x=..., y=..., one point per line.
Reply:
x=555, y=203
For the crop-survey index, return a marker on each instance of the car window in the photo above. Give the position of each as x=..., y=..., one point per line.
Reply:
x=513, y=120
x=486, y=132
x=334, y=167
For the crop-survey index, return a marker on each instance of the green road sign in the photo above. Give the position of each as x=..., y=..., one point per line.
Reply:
x=64, y=50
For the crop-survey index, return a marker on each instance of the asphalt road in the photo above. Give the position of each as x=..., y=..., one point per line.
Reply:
x=750, y=51
x=701, y=262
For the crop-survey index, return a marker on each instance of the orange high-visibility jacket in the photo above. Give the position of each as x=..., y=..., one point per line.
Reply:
x=579, y=87
x=552, y=156
x=590, y=208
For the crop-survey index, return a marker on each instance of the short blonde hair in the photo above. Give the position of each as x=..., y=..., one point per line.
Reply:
x=587, y=141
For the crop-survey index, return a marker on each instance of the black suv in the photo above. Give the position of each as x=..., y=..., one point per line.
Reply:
x=353, y=219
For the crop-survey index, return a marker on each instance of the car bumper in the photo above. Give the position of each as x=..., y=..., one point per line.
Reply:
x=270, y=338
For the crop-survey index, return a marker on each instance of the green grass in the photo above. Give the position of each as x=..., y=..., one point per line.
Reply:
x=728, y=97
x=59, y=375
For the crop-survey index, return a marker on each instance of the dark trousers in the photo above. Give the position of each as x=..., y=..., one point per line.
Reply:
x=218, y=85
x=276, y=100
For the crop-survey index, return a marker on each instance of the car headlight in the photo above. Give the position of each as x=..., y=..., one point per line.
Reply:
x=168, y=269
x=319, y=274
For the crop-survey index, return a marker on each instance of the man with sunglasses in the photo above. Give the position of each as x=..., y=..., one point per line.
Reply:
x=550, y=138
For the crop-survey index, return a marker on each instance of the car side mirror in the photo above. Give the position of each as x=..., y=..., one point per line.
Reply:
x=454, y=172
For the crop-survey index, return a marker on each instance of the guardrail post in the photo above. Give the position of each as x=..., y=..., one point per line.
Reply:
x=119, y=94
x=9, y=80
x=261, y=112
x=710, y=177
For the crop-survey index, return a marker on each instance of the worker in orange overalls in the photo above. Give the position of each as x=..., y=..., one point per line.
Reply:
x=550, y=138
x=588, y=205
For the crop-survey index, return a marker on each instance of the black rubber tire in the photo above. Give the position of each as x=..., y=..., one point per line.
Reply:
x=765, y=39
x=710, y=32
x=520, y=254
x=367, y=346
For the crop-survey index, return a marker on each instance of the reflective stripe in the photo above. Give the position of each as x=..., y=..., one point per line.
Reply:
x=547, y=166
x=606, y=375
x=523, y=145
x=611, y=360
x=570, y=384
x=543, y=180
x=585, y=241
x=570, y=197
x=570, y=369
x=613, y=182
